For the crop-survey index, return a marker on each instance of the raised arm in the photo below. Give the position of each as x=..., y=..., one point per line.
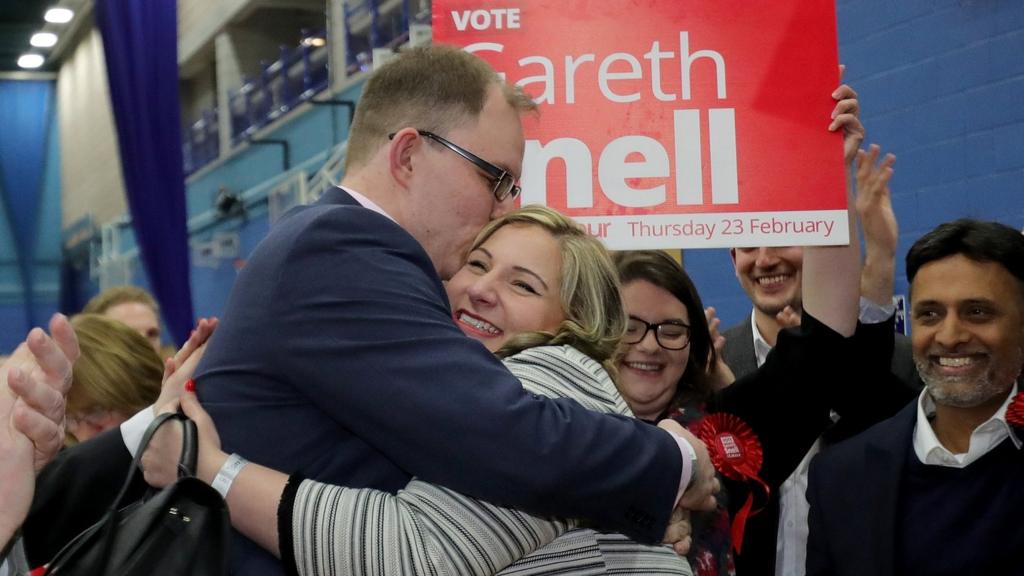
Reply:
x=790, y=379
x=881, y=231
x=831, y=274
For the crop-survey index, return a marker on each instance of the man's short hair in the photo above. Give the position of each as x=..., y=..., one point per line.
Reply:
x=100, y=303
x=975, y=239
x=432, y=88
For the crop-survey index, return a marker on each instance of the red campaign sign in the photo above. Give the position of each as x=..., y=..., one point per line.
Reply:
x=665, y=124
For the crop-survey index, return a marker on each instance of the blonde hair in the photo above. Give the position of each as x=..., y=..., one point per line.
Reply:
x=434, y=88
x=589, y=289
x=118, y=370
x=100, y=303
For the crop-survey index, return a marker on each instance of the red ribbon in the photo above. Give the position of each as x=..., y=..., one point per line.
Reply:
x=736, y=454
x=1015, y=411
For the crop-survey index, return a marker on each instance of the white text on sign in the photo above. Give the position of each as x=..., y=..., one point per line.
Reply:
x=615, y=165
x=496, y=18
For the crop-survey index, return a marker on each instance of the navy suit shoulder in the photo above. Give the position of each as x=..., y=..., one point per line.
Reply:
x=337, y=356
x=852, y=492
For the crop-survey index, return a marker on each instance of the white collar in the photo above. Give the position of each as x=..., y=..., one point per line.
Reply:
x=984, y=439
x=761, y=346
x=367, y=203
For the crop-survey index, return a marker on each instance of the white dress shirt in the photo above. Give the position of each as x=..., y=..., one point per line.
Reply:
x=984, y=439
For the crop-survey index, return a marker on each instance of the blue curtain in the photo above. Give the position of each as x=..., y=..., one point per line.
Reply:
x=140, y=45
x=26, y=109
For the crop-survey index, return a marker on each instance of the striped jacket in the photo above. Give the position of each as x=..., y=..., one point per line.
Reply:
x=430, y=530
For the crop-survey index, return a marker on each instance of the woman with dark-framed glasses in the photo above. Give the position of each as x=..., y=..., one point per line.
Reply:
x=668, y=367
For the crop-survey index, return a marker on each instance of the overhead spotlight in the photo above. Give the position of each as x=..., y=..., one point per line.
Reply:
x=314, y=41
x=30, y=61
x=43, y=39
x=58, y=15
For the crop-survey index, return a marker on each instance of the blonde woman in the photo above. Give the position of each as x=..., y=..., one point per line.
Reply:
x=117, y=375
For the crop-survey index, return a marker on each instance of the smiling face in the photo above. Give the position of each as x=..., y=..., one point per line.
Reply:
x=968, y=331
x=649, y=374
x=509, y=285
x=770, y=276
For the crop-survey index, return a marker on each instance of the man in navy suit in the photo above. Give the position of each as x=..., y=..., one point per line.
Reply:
x=936, y=489
x=337, y=355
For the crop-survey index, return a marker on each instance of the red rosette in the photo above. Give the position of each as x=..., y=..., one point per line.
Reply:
x=1015, y=411
x=736, y=453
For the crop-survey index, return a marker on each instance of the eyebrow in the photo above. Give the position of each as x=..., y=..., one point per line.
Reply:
x=959, y=303
x=532, y=273
x=522, y=269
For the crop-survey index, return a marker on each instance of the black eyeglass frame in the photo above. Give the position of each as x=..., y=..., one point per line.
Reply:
x=657, y=332
x=499, y=176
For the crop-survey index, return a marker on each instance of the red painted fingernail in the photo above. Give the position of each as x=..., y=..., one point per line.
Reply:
x=190, y=386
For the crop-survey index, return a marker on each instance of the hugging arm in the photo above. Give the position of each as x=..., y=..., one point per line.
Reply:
x=423, y=529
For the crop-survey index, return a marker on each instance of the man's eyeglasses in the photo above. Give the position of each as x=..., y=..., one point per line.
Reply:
x=504, y=182
x=670, y=334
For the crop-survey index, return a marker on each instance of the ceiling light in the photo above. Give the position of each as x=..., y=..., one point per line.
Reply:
x=43, y=39
x=30, y=61
x=59, y=15
x=314, y=41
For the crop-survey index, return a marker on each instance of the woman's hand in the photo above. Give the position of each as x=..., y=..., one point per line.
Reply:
x=846, y=117
x=160, y=461
x=179, y=369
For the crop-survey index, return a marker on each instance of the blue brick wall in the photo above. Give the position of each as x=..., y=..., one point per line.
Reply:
x=941, y=84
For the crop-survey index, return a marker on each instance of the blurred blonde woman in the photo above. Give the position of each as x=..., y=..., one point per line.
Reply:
x=117, y=375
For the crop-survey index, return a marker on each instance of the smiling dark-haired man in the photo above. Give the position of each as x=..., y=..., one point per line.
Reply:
x=936, y=488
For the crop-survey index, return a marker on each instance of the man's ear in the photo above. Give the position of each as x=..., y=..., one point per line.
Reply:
x=732, y=254
x=402, y=149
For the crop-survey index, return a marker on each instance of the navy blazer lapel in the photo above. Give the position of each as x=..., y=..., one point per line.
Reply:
x=885, y=458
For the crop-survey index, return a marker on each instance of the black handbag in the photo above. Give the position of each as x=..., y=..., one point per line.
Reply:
x=181, y=529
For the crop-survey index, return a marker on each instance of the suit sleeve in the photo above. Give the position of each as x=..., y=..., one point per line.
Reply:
x=428, y=529
x=439, y=404
x=874, y=392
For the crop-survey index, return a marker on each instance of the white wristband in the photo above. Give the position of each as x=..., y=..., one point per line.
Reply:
x=226, y=475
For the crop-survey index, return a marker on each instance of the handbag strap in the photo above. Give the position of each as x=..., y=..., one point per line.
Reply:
x=189, y=452
x=186, y=467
